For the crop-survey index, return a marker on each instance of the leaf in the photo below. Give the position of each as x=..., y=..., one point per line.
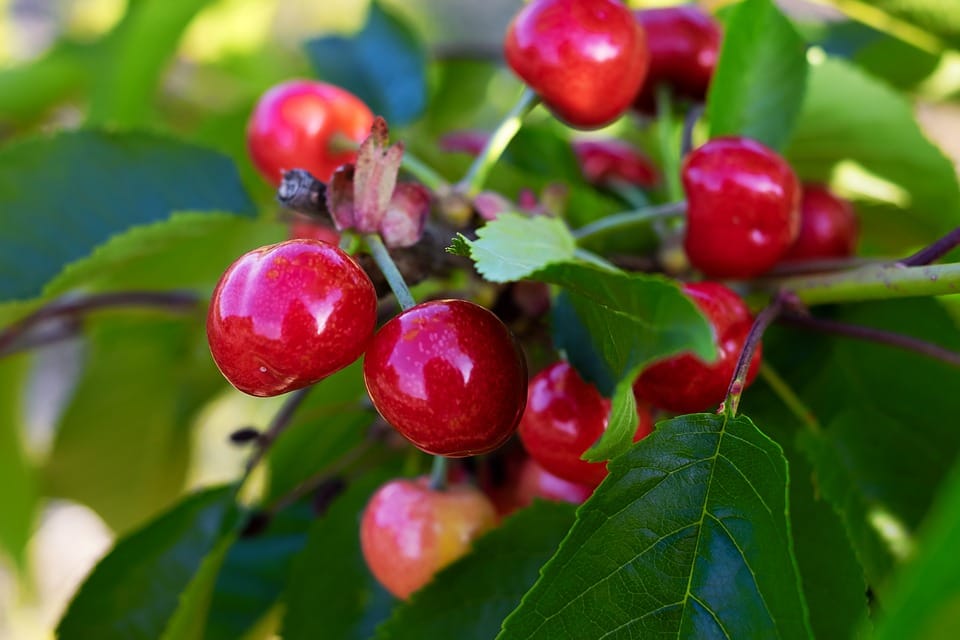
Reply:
x=759, y=82
x=687, y=537
x=470, y=598
x=190, y=617
x=573, y=339
x=843, y=111
x=515, y=246
x=18, y=484
x=330, y=593
x=923, y=603
x=134, y=590
x=105, y=183
x=933, y=16
x=384, y=64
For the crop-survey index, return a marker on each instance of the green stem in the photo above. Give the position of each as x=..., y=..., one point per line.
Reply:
x=882, y=21
x=629, y=219
x=476, y=176
x=872, y=283
x=438, y=474
x=592, y=258
x=666, y=136
x=789, y=398
x=424, y=173
x=389, y=269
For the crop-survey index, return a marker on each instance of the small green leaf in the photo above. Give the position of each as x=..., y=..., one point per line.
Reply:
x=105, y=184
x=384, y=64
x=515, y=246
x=470, y=598
x=687, y=537
x=459, y=246
x=134, y=591
x=761, y=75
x=18, y=483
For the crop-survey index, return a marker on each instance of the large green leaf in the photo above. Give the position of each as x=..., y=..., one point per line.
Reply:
x=384, y=64
x=470, y=598
x=759, y=83
x=190, y=617
x=687, y=537
x=104, y=184
x=842, y=114
x=18, y=490
x=135, y=589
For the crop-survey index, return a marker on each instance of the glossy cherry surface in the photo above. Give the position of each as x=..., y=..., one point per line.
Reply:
x=287, y=315
x=605, y=160
x=409, y=531
x=294, y=123
x=585, y=58
x=536, y=482
x=828, y=226
x=684, y=44
x=449, y=376
x=743, y=208
x=686, y=384
x=564, y=417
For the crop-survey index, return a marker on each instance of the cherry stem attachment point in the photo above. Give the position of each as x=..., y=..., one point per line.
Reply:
x=380, y=255
x=630, y=219
x=476, y=176
x=438, y=474
x=933, y=251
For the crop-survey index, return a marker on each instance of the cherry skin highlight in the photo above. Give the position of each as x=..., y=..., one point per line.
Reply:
x=564, y=417
x=409, y=531
x=686, y=384
x=742, y=208
x=684, y=44
x=290, y=314
x=449, y=376
x=585, y=58
x=828, y=226
x=294, y=123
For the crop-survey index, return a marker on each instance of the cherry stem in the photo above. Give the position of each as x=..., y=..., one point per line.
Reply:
x=497, y=143
x=438, y=473
x=174, y=301
x=389, y=269
x=629, y=219
x=823, y=265
x=668, y=147
x=870, y=334
x=934, y=251
x=689, y=122
x=789, y=397
x=760, y=324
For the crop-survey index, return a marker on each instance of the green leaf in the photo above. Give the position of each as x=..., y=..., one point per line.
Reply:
x=135, y=589
x=470, y=598
x=932, y=16
x=759, y=82
x=515, y=246
x=105, y=183
x=687, y=537
x=843, y=111
x=331, y=593
x=384, y=64
x=923, y=604
x=190, y=617
x=18, y=483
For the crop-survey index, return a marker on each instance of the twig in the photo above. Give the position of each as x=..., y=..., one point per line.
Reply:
x=934, y=251
x=628, y=219
x=689, y=122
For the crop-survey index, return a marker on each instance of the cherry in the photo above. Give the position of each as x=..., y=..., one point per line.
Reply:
x=603, y=160
x=449, y=376
x=287, y=315
x=409, y=531
x=294, y=123
x=684, y=44
x=742, y=208
x=563, y=418
x=828, y=226
x=536, y=482
x=686, y=384
x=585, y=58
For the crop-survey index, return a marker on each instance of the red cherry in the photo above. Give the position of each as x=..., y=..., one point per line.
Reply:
x=684, y=45
x=287, y=315
x=686, y=384
x=310, y=230
x=449, y=376
x=603, y=160
x=409, y=531
x=563, y=418
x=586, y=58
x=742, y=208
x=536, y=482
x=294, y=123
x=828, y=226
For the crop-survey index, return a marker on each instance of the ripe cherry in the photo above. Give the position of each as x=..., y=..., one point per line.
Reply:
x=828, y=226
x=684, y=44
x=409, y=531
x=449, y=376
x=742, y=208
x=585, y=58
x=294, y=124
x=564, y=417
x=605, y=160
x=287, y=315
x=535, y=482
x=686, y=384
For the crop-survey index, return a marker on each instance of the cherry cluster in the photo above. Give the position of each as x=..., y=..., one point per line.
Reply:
x=448, y=374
